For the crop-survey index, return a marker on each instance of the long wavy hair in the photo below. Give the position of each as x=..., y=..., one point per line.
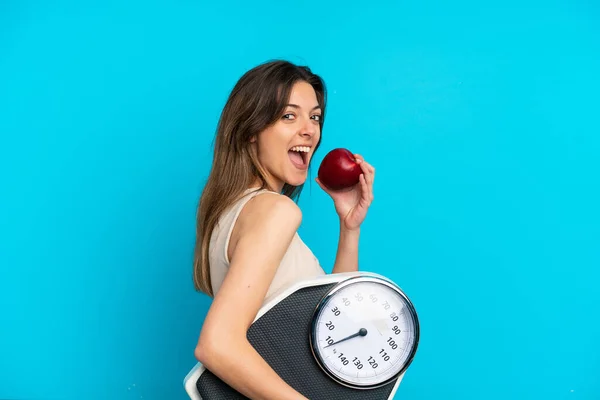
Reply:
x=256, y=102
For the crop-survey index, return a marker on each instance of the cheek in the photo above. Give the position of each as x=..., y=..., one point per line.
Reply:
x=269, y=152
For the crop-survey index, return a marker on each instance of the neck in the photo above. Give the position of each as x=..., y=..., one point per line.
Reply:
x=272, y=184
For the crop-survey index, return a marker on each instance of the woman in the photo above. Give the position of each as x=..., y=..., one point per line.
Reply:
x=247, y=242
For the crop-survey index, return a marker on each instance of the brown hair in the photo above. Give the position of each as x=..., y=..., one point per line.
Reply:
x=257, y=101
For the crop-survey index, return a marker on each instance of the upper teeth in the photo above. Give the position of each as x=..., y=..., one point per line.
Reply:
x=304, y=149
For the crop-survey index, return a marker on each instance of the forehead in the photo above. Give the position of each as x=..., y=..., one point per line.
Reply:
x=304, y=95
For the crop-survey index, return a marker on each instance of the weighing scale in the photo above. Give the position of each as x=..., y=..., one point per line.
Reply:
x=336, y=337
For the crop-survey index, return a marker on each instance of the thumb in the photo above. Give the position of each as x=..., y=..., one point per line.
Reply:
x=325, y=189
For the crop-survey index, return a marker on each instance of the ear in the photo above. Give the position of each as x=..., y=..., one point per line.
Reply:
x=253, y=139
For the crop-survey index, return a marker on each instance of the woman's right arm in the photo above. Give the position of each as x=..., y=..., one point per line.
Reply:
x=265, y=229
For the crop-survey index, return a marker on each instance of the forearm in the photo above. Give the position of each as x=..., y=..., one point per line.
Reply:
x=239, y=365
x=346, y=259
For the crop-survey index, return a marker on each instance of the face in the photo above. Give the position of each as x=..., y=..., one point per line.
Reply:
x=286, y=147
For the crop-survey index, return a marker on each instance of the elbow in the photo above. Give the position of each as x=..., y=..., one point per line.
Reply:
x=210, y=350
x=199, y=352
x=205, y=352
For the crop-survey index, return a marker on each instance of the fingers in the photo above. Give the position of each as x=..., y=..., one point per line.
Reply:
x=364, y=190
x=366, y=167
x=369, y=177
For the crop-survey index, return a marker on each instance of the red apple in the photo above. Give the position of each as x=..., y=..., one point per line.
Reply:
x=339, y=169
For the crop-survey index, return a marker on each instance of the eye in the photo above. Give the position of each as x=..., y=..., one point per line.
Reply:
x=316, y=117
x=288, y=116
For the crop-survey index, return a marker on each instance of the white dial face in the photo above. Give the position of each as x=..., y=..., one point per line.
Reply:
x=365, y=333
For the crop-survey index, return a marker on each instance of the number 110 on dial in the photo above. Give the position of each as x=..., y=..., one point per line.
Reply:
x=364, y=332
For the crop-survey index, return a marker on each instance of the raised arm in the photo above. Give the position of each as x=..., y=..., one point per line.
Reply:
x=351, y=206
x=263, y=232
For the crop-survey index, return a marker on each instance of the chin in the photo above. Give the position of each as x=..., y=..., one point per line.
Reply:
x=296, y=181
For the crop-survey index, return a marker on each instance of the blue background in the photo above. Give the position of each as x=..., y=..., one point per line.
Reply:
x=481, y=119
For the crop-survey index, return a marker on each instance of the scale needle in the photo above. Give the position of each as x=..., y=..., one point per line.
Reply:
x=361, y=332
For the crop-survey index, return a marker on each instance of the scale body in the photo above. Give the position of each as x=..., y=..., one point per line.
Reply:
x=338, y=336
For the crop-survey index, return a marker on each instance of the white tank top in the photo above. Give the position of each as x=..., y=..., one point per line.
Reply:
x=298, y=262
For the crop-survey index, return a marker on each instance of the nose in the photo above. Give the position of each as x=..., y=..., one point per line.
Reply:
x=309, y=129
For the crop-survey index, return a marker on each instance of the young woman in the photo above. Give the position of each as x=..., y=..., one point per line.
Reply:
x=247, y=242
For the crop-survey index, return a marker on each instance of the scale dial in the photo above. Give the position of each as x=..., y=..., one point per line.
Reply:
x=365, y=332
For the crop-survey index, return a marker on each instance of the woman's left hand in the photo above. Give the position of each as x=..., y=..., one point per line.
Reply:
x=352, y=204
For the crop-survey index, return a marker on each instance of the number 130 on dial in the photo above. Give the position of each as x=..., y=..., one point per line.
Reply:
x=364, y=332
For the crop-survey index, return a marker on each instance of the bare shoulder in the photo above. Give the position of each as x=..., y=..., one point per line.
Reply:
x=269, y=211
x=266, y=213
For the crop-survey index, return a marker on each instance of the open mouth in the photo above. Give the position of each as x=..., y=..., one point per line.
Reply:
x=299, y=156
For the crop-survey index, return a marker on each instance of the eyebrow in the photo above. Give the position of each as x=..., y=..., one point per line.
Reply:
x=297, y=106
